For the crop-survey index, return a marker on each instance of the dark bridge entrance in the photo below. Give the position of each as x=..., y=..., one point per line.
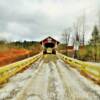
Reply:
x=49, y=45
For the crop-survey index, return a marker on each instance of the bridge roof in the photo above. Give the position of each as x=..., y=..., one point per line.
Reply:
x=49, y=37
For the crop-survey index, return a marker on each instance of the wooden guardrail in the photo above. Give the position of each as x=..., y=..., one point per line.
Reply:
x=92, y=70
x=7, y=71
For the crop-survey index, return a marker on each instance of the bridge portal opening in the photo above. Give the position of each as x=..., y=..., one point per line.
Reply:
x=49, y=45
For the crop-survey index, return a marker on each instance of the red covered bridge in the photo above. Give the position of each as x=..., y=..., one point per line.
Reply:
x=49, y=45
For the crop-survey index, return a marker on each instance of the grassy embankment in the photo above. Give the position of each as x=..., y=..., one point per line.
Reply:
x=85, y=63
x=86, y=53
x=12, y=52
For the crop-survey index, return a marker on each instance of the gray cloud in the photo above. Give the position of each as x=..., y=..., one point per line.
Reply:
x=36, y=19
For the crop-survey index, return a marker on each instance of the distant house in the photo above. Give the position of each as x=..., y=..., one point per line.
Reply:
x=70, y=50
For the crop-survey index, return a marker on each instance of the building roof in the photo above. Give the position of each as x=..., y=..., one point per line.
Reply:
x=70, y=47
x=50, y=38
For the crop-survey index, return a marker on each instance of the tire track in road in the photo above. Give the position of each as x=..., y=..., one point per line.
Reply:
x=55, y=87
x=68, y=93
x=37, y=86
x=16, y=83
x=83, y=90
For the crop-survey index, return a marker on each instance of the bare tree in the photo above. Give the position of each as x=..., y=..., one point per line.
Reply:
x=76, y=45
x=80, y=28
x=66, y=37
x=83, y=29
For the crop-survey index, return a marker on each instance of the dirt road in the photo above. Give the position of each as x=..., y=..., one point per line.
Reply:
x=53, y=80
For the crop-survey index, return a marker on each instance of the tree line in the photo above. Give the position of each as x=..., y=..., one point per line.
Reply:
x=79, y=29
x=18, y=44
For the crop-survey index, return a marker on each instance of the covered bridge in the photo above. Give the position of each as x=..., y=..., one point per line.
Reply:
x=49, y=45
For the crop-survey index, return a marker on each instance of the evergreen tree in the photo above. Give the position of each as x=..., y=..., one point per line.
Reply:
x=95, y=41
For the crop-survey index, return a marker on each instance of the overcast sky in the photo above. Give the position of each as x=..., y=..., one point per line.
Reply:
x=36, y=19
